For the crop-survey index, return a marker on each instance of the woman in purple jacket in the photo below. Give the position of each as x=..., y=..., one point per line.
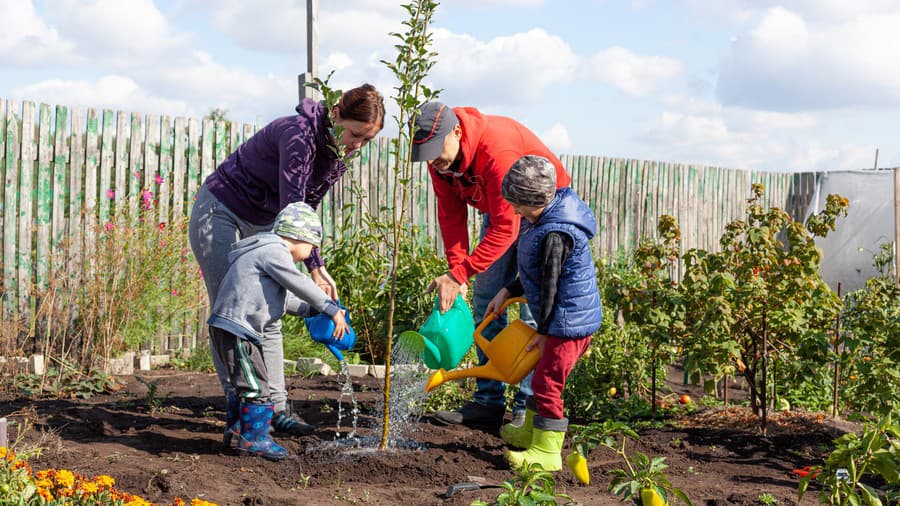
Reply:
x=292, y=159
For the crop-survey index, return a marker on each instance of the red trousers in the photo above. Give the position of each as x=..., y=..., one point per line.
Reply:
x=557, y=361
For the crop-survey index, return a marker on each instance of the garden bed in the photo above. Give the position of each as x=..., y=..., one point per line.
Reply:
x=168, y=445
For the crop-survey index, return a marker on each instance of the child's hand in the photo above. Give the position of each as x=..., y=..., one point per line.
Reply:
x=340, y=325
x=497, y=302
x=538, y=340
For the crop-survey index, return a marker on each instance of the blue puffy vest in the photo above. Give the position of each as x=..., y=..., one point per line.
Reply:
x=577, y=312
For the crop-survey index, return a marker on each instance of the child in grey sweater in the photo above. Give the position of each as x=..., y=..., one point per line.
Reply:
x=261, y=285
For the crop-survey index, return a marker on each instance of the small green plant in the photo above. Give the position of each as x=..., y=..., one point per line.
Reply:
x=532, y=486
x=642, y=473
x=767, y=499
x=875, y=453
x=151, y=400
x=65, y=381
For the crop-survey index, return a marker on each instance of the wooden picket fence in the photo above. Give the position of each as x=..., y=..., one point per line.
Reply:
x=61, y=165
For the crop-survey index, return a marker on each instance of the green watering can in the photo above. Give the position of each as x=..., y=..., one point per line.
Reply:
x=443, y=339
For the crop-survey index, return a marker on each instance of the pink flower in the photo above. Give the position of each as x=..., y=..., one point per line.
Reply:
x=146, y=199
x=159, y=179
x=110, y=194
x=108, y=225
x=175, y=292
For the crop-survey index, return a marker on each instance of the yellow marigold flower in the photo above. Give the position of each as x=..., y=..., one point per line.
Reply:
x=105, y=481
x=201, y=502
x=43, y=483
x=65, y=478
x=3, y=452
x=89, y=487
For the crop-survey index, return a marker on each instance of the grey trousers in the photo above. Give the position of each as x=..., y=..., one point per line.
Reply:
x=244, y=361
x=213, y=229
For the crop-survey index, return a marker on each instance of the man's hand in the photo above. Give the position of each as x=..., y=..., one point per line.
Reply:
x=497, y=302
x=447, y=290
x=324, y=281
x=538, y=340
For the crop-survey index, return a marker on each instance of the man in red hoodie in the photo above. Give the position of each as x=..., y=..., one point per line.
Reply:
x=468, y=154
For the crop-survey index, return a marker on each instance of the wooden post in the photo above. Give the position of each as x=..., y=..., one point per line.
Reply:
x=897, y=225
x=312, y=49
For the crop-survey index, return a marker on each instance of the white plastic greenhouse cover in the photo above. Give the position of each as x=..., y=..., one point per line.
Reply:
x=847, y=252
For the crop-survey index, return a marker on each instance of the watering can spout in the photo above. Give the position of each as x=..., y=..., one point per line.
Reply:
x=441, y=376
x=508, y=360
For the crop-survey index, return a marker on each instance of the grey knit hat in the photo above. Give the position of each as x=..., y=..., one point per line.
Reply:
x=299, y=221
x=531, y=181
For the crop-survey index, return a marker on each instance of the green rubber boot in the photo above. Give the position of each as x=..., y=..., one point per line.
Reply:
x=519, y=436
x=547, y=439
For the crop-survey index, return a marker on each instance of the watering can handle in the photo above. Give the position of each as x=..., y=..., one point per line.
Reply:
x=488, y=318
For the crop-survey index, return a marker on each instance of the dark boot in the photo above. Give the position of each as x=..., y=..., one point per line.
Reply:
x=232, y=419
x=285, y=422
x=255, y=439
x=471, y=414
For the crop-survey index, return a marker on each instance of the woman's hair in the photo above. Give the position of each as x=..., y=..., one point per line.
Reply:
x=364, y=104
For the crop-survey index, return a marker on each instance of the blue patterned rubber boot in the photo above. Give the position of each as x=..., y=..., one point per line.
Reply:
x=232, y=419
x=255, y=439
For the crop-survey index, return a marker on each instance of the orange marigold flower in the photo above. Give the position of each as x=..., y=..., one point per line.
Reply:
x=43, y=483
x=21, y=464
x=178, y=501
x=45, y=494
x=44, y=475
x=201, y=502
x=65, y=478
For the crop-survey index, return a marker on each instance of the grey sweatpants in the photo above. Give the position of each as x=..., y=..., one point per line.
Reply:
x=212, y=231
x=245, y=364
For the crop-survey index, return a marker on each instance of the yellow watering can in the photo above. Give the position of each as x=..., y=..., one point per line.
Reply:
x=507, y=359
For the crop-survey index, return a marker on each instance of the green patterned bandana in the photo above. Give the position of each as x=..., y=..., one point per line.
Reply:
x=299, y=221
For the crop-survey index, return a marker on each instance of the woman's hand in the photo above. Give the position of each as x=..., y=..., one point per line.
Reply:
x=340, y=325
x=447, y=290
x=497, y=302
x=324, y=281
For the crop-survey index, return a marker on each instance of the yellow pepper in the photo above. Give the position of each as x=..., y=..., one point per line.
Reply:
x=578, y=464
x=649, y=497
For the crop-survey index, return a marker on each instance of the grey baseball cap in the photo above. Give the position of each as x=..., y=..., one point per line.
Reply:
x=434, y=122
x=299, y=221
x=531, y=181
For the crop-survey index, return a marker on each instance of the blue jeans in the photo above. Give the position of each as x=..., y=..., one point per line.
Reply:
x=501, y=273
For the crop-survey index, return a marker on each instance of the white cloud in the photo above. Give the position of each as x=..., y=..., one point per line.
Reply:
x=556, y=138
x=502, y=3
x=113, y=30
x=280, y=25
x=26, y=39
x=789, y=61
x=110, y=92
x=335, y=61
x=505, y=70
x=633, y=74
x=202, y=80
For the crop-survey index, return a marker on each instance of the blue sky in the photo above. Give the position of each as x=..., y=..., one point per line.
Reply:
x=754, y=84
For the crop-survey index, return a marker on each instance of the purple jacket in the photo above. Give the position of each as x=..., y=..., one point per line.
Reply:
x=287, y=161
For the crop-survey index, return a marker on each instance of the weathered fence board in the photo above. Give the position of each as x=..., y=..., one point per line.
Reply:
x=78, y=171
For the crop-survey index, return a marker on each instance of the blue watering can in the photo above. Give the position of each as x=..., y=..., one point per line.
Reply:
x=321, y=328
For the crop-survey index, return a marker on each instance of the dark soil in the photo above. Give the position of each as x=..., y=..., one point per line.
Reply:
x=718, y=457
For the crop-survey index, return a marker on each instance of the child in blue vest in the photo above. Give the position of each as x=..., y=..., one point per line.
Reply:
x=261, y=285
x=558, y=280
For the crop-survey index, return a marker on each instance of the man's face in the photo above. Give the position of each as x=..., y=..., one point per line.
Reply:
x=450, y=152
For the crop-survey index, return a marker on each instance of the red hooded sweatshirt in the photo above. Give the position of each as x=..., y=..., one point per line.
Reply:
x=488, y=148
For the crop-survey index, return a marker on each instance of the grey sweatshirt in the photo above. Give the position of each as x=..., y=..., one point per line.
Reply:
x=261, y=285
